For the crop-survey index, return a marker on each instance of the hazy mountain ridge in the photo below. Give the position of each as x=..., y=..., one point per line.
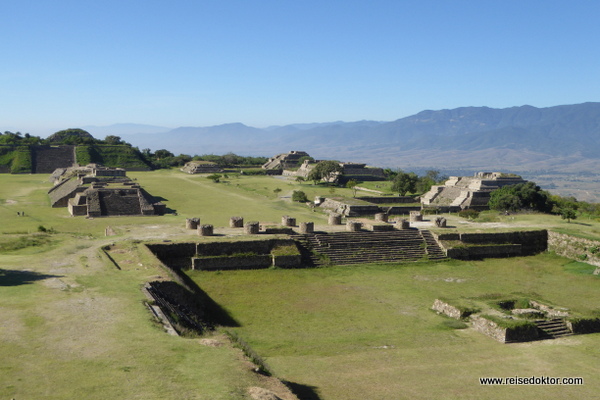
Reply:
x=551, y=138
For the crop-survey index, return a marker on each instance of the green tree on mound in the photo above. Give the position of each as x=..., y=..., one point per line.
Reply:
x=71, y=136
x=325, y=170
x=521, y=196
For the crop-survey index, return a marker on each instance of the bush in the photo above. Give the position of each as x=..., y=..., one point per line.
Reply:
x=299, y=195
x=468, y=214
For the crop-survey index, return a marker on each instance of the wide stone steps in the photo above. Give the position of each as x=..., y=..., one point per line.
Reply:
x=553, y=328
x=365, y=247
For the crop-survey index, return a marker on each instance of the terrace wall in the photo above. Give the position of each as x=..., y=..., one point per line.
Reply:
x=575, y=248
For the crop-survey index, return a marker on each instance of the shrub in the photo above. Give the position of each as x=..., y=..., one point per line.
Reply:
x=468, y=214
x=299, y=195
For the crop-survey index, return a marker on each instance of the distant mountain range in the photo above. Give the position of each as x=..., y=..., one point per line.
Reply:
x=562, y=138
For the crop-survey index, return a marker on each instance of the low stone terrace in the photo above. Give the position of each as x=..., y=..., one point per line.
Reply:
x=365, y=247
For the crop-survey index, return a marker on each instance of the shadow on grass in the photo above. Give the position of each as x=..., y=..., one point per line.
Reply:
x=16, y=278
x=303, y=392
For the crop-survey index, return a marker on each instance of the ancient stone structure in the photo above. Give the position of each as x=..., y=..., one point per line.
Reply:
x=307, y=227
x=201, y=167
x=205, y=230
x=440, y=222
x=334, y=219
x=46, y=159
x=575, y=248
x=288, y=221
x=459, y=193
x=252, y=228
x=360, y=206
x=363, y=247
x=97, y=191
x=353, y=226
x=382, y=217
x=236, y=222
x=493, y=245
x=285, y=160
x=192, y=223
x=356, y=171
x=416, y=216
x=403, y=223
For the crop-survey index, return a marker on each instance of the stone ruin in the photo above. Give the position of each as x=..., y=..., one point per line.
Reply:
x=350, y=170
x=201, y=167
x=98, y=191
x=285, y=160
x=461, y=192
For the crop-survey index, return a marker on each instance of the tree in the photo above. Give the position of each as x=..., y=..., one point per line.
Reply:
x=351, y=184
x=277, y=191
x=300, y=179
x=568, y=213
x=299, y=195
x=162, y=153
x=214, y=177
x=520, y=196
x=111, y=139
x=325, y=170
x=404, y=183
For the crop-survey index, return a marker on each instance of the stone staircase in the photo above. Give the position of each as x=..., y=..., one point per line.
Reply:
x=46, y=159
x=341, y=248
x=552, y=328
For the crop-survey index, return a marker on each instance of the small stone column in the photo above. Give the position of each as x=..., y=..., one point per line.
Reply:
x=236, y=222
x=403, y=224
x=252, y=228
x=335, y=219
x=353, y=226
x=307, y=227
x=416, y=216
x=288, y=221
x=382, y=217
x=192, y=223
x=440, y=222
x=205, y=230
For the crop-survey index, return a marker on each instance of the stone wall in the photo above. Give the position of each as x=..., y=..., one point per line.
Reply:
x=389, y=200
x=503, y=335
x=484, y=251
x=575, y=248
x=446, y=309
x=232, y=262
x=499, y=244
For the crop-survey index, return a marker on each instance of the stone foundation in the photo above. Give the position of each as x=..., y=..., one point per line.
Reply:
x=353, y=226
x=382, y=217
x=192, y=223
x=307, y=227
x=236, y=222
x=288, y=221
x=334, y=219
x=205, y=230
x=252, y=228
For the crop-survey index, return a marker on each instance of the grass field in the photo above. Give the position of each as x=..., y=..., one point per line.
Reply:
x=74, y=326
x=368, y=331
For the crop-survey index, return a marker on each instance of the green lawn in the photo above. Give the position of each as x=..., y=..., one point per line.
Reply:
x=74, y=326
x=367, y=331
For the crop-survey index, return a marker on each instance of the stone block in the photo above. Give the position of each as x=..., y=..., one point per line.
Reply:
x=205, y=230
x=335, y=219
x=252, y=228
x=236, y=222
x=307, y=227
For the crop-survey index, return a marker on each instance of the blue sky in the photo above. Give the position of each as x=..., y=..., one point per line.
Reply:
x=270, y=62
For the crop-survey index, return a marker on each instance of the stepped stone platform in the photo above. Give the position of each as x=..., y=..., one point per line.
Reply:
x=45, y=159
x=553, y=328
x=407, y=245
